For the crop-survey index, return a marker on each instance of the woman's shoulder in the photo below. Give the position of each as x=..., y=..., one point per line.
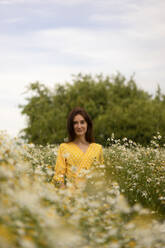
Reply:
x=97, y=145
x=64, y=145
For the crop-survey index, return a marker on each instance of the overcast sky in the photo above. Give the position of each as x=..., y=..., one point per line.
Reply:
x=49, y=40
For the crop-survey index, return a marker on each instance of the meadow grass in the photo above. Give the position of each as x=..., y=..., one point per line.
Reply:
x=104, y=212
x=140, y=172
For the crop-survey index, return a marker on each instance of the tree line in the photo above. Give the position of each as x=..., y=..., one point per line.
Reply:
x=115, y=104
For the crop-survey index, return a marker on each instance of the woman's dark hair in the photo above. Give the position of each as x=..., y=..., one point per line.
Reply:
x=80, y=111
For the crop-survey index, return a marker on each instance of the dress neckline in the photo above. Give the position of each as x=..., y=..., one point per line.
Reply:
x=80, y=148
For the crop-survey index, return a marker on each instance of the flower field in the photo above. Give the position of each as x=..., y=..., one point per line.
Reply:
x=122, y=204
x=140, y=172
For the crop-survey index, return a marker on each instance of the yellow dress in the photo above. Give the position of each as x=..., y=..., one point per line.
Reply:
x=71, y=160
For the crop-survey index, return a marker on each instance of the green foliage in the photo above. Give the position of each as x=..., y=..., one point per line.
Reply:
x=115, y=104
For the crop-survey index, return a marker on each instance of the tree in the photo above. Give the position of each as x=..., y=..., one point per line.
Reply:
x=115, y=105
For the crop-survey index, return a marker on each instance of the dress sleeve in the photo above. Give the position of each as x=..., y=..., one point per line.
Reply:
x=60, y=167
x=101, y=157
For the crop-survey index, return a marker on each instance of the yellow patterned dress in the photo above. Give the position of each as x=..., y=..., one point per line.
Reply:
x=71, y=161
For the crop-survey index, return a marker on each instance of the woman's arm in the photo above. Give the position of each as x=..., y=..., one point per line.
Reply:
x=101, y=158
x=60, y=168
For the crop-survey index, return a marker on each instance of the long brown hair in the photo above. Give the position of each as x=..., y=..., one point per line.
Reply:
x=80, y=111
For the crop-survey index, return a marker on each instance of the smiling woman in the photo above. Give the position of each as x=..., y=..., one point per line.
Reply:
x=80, y=152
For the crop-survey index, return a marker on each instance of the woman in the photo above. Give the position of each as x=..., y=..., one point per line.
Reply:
x=80, y=152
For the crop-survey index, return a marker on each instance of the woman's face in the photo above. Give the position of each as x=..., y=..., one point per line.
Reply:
x=80, y=125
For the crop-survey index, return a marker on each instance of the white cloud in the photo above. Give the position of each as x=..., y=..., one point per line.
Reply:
x=5, y=1
x=68, y=2
x=11, y=120
x=146, y=19
x=73, y=49
x=60, y=2
x=98, y=47
x=11, y=1
x=12, y=20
